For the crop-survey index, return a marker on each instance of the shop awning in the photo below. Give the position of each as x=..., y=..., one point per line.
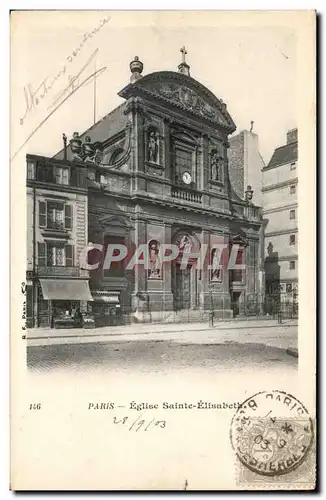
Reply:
x=66, y=289
x=107, y=297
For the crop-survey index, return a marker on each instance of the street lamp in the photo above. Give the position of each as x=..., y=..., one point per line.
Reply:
x=211, y=310
x=279, y=290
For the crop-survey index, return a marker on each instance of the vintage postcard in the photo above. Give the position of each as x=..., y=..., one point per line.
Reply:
x=163, y=250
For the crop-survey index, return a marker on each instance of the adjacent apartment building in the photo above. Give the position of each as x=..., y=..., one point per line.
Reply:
x=280, y=213
x=57, y=215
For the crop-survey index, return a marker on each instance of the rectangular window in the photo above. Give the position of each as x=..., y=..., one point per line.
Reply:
x=183, y=162
x=55, y=215
x=292, y=189
x=237, y=274
x=288, y=287
x=292, y=239
x=30, y=170
x=292, y=264
x=62, y=175
x=41, y=254
x=293, y=166
x=292, y=214
x=68, y=217
x=55, y=254
x=42, y=214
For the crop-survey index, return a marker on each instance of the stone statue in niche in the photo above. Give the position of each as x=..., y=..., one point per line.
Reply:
x=152, y=147
x=154, y=271
x=216, y=166
x=216, y=272
x=185, y=244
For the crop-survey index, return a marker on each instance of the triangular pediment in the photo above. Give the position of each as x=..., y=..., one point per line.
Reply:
x=185, y=93
x=240, y=239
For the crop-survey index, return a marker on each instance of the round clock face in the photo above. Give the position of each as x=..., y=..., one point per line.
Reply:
x=186, y=178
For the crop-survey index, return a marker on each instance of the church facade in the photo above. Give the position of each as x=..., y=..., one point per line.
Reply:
x=158, y=173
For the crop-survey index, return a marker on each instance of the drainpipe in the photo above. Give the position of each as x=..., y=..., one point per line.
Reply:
x=34, y=295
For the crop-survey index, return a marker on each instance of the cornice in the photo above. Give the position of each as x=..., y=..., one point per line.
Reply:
x=281, y=232
x=278, y=185
x=55, y=187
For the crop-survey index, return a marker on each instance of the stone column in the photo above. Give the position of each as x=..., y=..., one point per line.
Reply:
x=35, y=304
x=167, y=149
x=139, y=297
x=204, y=296
x=204, y=168
x=133, y=109
x=140, y=271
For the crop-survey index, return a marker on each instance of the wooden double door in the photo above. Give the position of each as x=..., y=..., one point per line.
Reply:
x=182, y=288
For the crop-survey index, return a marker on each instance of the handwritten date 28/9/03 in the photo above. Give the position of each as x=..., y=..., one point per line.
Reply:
x=139, y=423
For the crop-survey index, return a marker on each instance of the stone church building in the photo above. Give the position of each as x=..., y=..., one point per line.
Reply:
x=158, y=172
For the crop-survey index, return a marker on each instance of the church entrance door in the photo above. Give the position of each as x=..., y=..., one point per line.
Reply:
x=182, y=288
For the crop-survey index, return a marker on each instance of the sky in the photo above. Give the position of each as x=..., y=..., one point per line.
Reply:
x=249, y=62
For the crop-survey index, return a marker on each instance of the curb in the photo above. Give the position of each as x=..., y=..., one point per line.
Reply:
x=98, y=334
x=292, y=351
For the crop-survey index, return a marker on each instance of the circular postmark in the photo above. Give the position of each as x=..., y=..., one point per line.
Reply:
x=271, y=433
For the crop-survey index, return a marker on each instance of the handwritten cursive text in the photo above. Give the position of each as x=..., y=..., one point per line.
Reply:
x=139, y=423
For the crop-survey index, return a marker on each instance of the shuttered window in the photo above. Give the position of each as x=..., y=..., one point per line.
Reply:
x=68, y=216
x=41, y=254
x=42, y=219
x=69, y=255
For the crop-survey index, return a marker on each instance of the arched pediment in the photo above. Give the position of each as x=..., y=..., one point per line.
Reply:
x=185, y=93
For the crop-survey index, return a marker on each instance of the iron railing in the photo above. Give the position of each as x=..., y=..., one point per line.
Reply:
x=61, y=271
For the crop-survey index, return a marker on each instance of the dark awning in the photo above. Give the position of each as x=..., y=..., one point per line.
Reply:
x=65, y=289
x=107, y=297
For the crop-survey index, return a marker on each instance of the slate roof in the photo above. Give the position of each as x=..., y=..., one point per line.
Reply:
x=105, y=128
x=283, y=155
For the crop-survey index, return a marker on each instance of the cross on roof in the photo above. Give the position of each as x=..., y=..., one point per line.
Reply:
x=184, y=52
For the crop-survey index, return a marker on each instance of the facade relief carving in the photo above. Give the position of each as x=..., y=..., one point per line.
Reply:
x=87, y=151
x=188, y=99
x=117, y=155
x=185, y=244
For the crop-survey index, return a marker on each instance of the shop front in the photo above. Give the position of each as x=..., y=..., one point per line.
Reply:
x=105, y=308
x=63, y=303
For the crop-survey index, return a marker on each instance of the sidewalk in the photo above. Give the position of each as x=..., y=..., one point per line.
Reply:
x=267, y=332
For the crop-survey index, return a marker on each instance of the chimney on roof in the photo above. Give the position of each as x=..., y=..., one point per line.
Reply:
x=292, y=136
